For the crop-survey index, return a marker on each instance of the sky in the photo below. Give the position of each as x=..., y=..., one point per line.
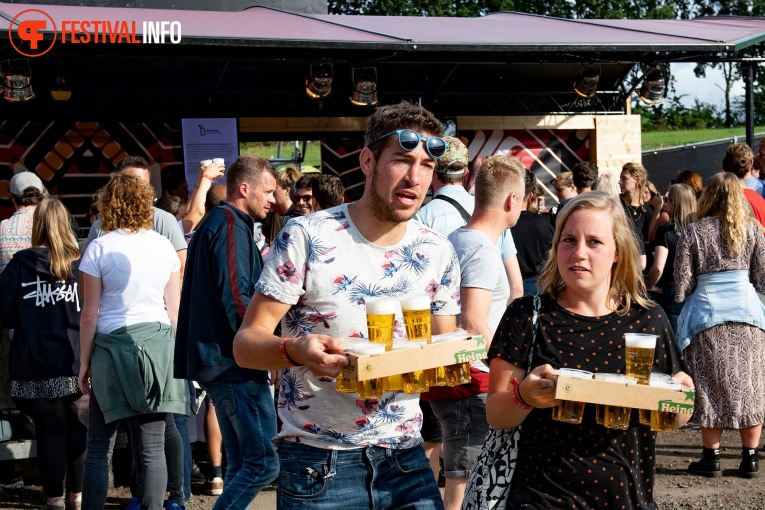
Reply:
x=705, y=89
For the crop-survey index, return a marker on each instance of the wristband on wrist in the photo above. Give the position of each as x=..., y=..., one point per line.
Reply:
x=284, y=355
x=208, y=177
x=517, y=395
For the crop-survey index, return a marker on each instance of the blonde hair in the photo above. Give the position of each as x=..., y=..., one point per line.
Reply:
x=287, y=176
x=627, y=285
x=738, y=159
x=565, y=178
x=52, y=228
x=640, y=174
x=724, y=199
x=125, y=203
x=497, y=178
x=607, y=183
x=684, y=199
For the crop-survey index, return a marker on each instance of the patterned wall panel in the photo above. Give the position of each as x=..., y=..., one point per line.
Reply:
x=74, y=159
x=547, y=153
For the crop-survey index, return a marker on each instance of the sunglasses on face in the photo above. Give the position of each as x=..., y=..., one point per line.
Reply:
x=306, y=198
x=409, y=140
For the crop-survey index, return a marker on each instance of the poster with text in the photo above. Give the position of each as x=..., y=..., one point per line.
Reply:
x=208, y=139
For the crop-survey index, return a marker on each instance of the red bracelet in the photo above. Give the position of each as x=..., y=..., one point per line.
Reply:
x=283, y=353
x=517, y=395
x=208, y=177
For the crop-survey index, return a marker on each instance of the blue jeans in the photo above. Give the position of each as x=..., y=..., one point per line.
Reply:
x=364, y=478
x=147, y=432
x=530, y=286
x=667, y=301
x=247, y=420
x=183, y=430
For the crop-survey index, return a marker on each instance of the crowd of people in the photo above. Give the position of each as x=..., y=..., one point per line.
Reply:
x=216, y=313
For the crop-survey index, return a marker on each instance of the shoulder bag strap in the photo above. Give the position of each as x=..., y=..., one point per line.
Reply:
x=534, y=327
x=465, y=215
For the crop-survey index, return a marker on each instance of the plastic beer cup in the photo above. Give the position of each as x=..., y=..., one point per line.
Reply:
x=416, y=310
x=381, y=318
x=645, y=414
x=571, y=411
x=662, y=421
x=639, y=355
x=371, y=388
x=347, y=383
x=618, y=417
x=600, y=409
x=413, y=382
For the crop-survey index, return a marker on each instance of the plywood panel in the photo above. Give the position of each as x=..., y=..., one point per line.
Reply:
x=528, y=122
x=615, y=141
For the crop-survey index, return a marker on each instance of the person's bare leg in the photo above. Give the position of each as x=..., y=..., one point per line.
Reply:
x=710, y=438
x=454, y=491
x=750, y=437
x=433, y=453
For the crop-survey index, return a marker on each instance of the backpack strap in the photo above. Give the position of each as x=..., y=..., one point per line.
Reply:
x=465, y=215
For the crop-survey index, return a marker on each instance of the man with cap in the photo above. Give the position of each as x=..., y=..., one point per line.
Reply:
x=16, y=232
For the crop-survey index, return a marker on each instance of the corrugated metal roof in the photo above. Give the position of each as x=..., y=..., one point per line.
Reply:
x=507, y=31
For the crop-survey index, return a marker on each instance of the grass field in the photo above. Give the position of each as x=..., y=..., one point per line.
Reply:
x=312, y=157
x=659, y=139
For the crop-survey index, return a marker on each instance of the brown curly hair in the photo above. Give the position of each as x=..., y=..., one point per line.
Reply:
x=404, y=115
x=738, y=160
x=126, y=203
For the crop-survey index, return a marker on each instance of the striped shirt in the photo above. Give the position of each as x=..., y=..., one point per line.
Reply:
x=15, y=234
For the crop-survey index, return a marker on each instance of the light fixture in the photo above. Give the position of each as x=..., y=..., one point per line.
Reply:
x=364, y=86
x=60, y=92
x=18, y=82
x=654, y=86
x=587, y=83
x=319, y=82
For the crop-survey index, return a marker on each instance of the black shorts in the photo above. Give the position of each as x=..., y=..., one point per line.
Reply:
x=431, y=427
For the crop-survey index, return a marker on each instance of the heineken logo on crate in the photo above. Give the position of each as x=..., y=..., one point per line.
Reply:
x=468, y=356
x=368, y=367
x=668, y=406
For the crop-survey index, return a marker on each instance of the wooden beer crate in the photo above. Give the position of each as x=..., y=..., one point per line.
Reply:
x=463, y=349
x=636, y=396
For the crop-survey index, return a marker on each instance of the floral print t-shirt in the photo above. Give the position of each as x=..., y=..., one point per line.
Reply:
x=322, y=266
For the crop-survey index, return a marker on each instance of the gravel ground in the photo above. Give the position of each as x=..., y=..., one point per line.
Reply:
x=675, y=488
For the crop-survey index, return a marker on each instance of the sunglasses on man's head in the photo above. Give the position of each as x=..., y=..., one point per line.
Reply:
x=409, y=140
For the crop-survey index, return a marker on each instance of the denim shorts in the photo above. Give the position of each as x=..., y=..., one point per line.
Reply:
x=369, y=477
x=464, y=426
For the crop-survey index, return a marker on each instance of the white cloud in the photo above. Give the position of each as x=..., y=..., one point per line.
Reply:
x=706, y=90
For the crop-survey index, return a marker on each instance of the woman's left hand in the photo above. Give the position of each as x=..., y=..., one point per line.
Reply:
x=685, y=379
x=83, y=381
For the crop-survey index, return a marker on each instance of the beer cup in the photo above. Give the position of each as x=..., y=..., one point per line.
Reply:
x=663, y=421
x=600, y=409
x=205, y=163
x=645, y=414
x=618, y=417
x=371, y=388
x=381, y=318
x=639, y=355
x=570, y=411
x=417, y=381
x=218, y=161
x=345, y=382
x=416, y=311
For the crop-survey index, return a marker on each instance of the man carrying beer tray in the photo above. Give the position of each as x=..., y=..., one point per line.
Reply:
x=336, y=448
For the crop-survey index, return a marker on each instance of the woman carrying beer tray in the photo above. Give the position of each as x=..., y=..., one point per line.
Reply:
x=592, y=293
x=718, y=267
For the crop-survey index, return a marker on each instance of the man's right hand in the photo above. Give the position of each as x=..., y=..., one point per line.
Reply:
x=312, y=351
x=213, y=171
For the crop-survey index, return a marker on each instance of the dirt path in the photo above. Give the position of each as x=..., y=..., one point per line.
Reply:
x=675, y=488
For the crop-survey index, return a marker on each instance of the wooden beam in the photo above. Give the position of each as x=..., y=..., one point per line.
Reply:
x=300, y=124
x=528, y=122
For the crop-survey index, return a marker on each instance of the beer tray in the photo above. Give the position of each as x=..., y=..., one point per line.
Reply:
x=463, y=348
x=636, y=396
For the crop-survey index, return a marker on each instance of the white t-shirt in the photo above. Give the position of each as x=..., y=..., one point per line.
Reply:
x=134, y=270
x=322, y=266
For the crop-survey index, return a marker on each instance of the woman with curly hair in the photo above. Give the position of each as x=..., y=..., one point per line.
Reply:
x=632, y=182
x=131, y=287
x=719, y=268
x=45, y=351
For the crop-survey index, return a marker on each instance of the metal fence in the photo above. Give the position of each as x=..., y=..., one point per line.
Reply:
x=704, y=158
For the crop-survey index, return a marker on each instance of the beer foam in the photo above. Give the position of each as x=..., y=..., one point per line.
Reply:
x=366, y=348
x=417, y=302
x=640, y=340
x=381, y=306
